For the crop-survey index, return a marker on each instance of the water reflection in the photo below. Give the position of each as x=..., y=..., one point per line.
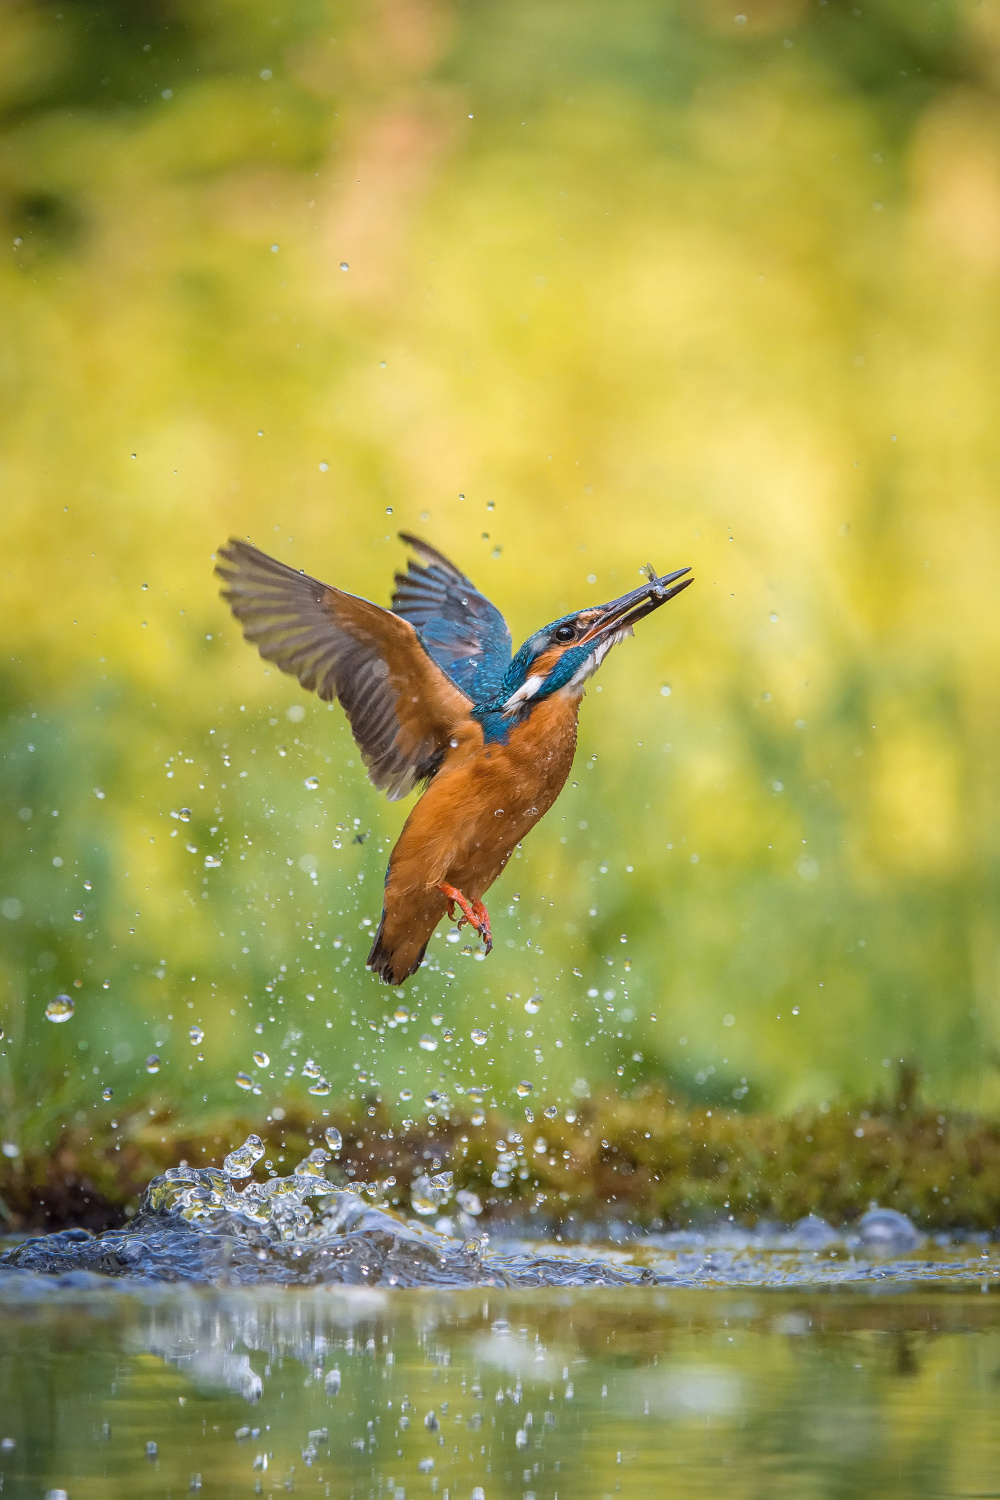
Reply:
x=358, y=1393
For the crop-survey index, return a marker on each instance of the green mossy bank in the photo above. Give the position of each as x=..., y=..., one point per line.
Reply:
x=645, y=1160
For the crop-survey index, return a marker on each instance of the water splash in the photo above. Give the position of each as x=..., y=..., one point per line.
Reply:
x=219, y=1225
x=428, y=1194
x=197, y=1224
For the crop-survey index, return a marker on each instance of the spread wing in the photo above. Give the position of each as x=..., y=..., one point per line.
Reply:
x=466, y=634
x=402, y=708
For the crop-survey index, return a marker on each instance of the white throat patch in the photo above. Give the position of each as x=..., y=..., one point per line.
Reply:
x=530, y=686
x=595, y=658
x=527, y=690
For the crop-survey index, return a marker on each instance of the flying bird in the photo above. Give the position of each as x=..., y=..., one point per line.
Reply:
x=434, y=696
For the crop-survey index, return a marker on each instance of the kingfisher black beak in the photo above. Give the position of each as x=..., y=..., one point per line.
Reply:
x=621, y=614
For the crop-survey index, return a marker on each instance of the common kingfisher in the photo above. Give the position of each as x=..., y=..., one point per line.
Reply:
x=434, y=696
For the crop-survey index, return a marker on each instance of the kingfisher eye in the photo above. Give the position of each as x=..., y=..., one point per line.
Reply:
x=565, y=633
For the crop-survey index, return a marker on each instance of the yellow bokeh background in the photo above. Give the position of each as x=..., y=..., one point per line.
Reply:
x=564, y=289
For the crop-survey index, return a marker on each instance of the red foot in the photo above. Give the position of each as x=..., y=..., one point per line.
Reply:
x=474, y=913
x=483, y=923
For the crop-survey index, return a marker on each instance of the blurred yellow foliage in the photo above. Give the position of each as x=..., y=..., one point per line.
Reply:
x=565, y=289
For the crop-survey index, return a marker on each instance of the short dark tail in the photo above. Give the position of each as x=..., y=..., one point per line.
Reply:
x=381, y=958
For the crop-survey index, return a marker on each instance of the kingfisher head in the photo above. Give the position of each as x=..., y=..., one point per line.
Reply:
x=564, y=654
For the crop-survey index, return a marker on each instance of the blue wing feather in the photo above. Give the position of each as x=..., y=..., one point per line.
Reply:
x=462, y=631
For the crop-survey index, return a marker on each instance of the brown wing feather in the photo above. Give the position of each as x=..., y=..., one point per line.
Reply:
x=402, y=708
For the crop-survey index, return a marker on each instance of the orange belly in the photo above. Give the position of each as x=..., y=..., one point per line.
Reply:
x=467, y=824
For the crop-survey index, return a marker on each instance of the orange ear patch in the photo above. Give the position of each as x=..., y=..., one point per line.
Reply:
x=542, y=665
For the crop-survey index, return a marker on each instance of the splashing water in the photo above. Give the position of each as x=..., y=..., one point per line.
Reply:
x=197, y=1224
x=428, y=1194
x=241, y=1162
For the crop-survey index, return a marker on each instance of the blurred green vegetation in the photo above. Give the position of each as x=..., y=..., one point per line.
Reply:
x=646, y=1160
x=563, y=288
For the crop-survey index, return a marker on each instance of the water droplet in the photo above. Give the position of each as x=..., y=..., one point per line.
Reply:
x=321, y=1088
x=479, y=1037
x=311, y=783
x=344, y=265
x=524, y=1088
x=475, y=1093
x=185, y=815
x=428, y=1043
x=311, y=1069
x=447, y=1034
x=261, y=1059
x=152, y=1063
x=401, y=1013
x=388, y=510
x=60, y=1009
x=432, y=1098
x=240, y=1163
x=211, y=863
x=478, y=1117
x=331, y=1382
x=87, y=885
x=406, y=1095
x=333, y=1139
x=534, y=1005
x=550, y=1112
x=244, y=1081
x=107, y=1093
x=195, y=1035
x=78, y=916
x=428, y=1194
x=314, y=1165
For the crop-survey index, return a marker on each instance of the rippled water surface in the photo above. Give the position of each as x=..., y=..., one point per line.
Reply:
x=293, y=1337
x=125, y=1388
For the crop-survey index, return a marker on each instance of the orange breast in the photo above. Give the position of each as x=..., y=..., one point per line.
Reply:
x=484, y=800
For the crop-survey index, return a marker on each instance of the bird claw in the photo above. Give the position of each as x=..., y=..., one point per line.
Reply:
x=482, y=921
x=473, y=912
